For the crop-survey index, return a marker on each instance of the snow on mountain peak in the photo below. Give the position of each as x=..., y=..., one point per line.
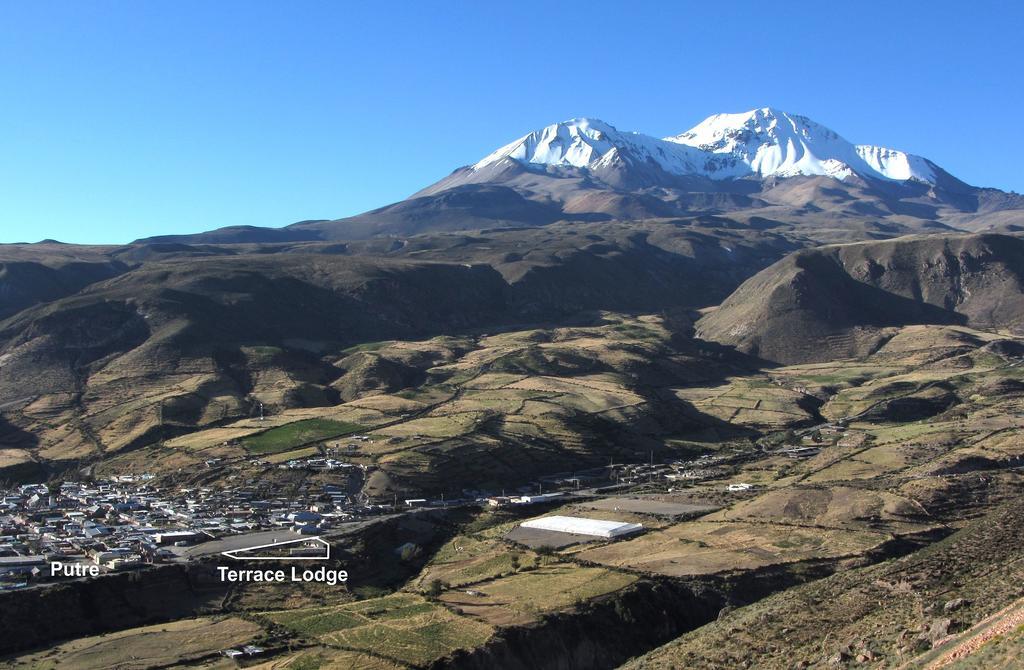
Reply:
x=577, y=142
x=585, y=142
x=762, y=142
x=898, y=165
x=768, y=141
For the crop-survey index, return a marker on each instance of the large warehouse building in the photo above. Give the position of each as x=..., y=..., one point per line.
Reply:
x=583, y=526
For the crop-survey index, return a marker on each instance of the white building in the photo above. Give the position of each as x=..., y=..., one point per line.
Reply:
x=534, y=499
x=583, y=526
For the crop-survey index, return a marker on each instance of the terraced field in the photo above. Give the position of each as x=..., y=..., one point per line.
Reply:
x=404, y=627
x=755, y=403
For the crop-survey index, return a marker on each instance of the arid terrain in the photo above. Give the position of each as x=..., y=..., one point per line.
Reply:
x=905, y=492
x=791, y=406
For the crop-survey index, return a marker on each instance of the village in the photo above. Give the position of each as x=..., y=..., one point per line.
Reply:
x=128, y=523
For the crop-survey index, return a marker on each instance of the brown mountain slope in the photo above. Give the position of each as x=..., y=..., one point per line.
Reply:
x=837, y=301
x=887, y=615
x=188, y=336
x=826, y=210
x=35, y=273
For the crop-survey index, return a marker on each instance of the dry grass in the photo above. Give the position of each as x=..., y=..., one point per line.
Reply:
x=146, y=647
x=465, y=560
x=753, y=402
x=522, y=597
x=702, y=547
x=326, y=658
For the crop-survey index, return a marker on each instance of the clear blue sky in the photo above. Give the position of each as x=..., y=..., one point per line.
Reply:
x=120, y=120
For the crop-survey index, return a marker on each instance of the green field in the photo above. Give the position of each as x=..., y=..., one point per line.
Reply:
x=297, y=434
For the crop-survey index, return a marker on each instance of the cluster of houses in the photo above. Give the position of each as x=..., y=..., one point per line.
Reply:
x=77, y=523
x=248, y=650
x=338, y=449
x=809, y=442
x=126, y=522
x=502, y=501
x=709, y=466
x=319, y=463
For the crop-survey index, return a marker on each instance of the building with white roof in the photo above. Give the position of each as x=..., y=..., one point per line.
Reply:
x=583, y=526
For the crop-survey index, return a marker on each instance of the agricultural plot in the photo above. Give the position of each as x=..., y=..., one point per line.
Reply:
x=439, y=425
x=299, y=433
x=465, y=560
x=404, y=627
x=283, y=456
x=877, y=461
x=818, y=376
x=159, y=459
x=1003, y=448
x=524, y=596
x=914, y=448
x=212, y=437
x=999, y=444
x=704, y=547
x=750, y=402
x=505, y=401
x=162, y=645
x=386, y=405
x=648, y=506
x=578, y=384
x=368, y=347
x=324, y=658
x=853, y=402
x=492, y=381
x=840, y=507
x=917, y=431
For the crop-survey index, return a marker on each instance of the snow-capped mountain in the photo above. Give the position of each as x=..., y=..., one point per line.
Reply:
x=760, y=143
x=763, y=170
x=589, y=143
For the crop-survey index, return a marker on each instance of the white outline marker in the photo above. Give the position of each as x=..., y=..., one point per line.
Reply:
x=231, y=553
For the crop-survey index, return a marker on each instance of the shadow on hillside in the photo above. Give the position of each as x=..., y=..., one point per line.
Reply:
x=13, y=437
x=845, y=302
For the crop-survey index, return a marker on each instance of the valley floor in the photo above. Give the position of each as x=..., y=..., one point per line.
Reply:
x=861, y=511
